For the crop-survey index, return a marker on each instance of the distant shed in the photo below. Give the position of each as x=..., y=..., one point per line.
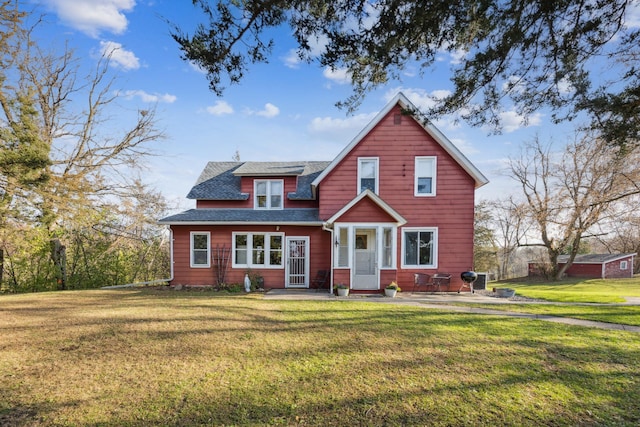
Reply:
x=599, y=266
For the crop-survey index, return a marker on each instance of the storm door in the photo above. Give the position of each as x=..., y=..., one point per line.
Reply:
x=365, y=271
x=297, y=274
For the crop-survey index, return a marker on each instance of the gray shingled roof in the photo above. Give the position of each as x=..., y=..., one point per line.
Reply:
x=593, y=258
x=217, y=182
x=270, y=168
x=210, y=215
x=221, y=180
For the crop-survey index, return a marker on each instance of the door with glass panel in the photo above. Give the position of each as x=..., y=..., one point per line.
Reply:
x=365, y=271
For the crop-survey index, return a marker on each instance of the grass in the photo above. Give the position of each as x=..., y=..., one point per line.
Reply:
x=576, y=290
x=625, y=315
x=142, y=357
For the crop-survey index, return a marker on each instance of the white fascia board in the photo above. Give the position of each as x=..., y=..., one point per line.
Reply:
x=377, y=200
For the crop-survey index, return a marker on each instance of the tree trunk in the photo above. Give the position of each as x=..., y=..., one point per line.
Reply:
x=59, y=258
x=1, y=267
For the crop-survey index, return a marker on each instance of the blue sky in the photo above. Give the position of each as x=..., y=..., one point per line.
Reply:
x=283, y=110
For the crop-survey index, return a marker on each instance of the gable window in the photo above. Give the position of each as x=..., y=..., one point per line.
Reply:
x=257, y=250
x=268, y=194
x=200, y=249
x=419, y=247
x=425, y=176
x=368, y=174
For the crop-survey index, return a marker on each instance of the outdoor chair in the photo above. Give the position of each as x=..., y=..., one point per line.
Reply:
x=423, y=280
x=442, y=280
x=320, y=280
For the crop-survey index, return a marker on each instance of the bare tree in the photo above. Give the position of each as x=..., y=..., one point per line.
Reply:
x=568, y=193
x=90, y=144
x=510, y=226
x=621, y=233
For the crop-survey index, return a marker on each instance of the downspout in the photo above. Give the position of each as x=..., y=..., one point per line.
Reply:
x=330, y=230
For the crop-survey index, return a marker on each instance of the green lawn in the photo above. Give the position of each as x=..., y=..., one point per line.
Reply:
x=143, y=357
x=625, y=315
x=576, y=290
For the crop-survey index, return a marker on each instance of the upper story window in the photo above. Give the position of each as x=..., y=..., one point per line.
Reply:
x=368, y=174
x=268, y=194
x=425, y=176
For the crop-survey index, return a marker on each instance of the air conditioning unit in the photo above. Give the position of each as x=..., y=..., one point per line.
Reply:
x=481, y=281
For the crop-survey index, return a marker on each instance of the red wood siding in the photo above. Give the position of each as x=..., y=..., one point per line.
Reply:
x=365, y=211
x=451, y=210
x=611, y=269
x=583, y=270
x=319, y=256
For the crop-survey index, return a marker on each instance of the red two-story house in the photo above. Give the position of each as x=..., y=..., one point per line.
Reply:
x=398, y=200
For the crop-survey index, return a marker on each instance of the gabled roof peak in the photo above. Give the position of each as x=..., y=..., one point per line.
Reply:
x=412, y=110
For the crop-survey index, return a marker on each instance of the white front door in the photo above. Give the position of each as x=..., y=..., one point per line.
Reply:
x=297, y=274
x=365, y=271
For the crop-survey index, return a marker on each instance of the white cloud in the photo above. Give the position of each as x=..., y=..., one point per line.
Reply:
x=269, y=111
x=457, y=56
x=119, y=57
x=148, y=97
x=565, y=87
x=422, y=99
x=341, y=75
x=93, y=16
x=197, y=68
x=632, y=16
x=317, y=46
x=340, y=129
x=513, y=84
x=512, y=121
x=292, y=60
x=220, y=108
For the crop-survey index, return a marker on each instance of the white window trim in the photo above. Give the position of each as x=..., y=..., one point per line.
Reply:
x=394, y=246
x=266, y=249
x=434, y=230
x=624, y=265
x=191, y=249
x=336, y=256
x=377, y=178
x=255, y=194
x=433, y=178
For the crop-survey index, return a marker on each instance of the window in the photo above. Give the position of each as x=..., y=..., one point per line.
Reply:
x=425, y=176
x=200, y=249
x=419, y=247
x=342, y=241
x=257, y=250
x=368, y=174
x=623, y=265
x=387, y=247
x=268, y=194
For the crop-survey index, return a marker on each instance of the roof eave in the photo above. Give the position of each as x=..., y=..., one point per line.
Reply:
x=283, y=223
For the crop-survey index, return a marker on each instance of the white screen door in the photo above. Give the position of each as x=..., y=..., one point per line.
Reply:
x=297, y=274
x=365, y=272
